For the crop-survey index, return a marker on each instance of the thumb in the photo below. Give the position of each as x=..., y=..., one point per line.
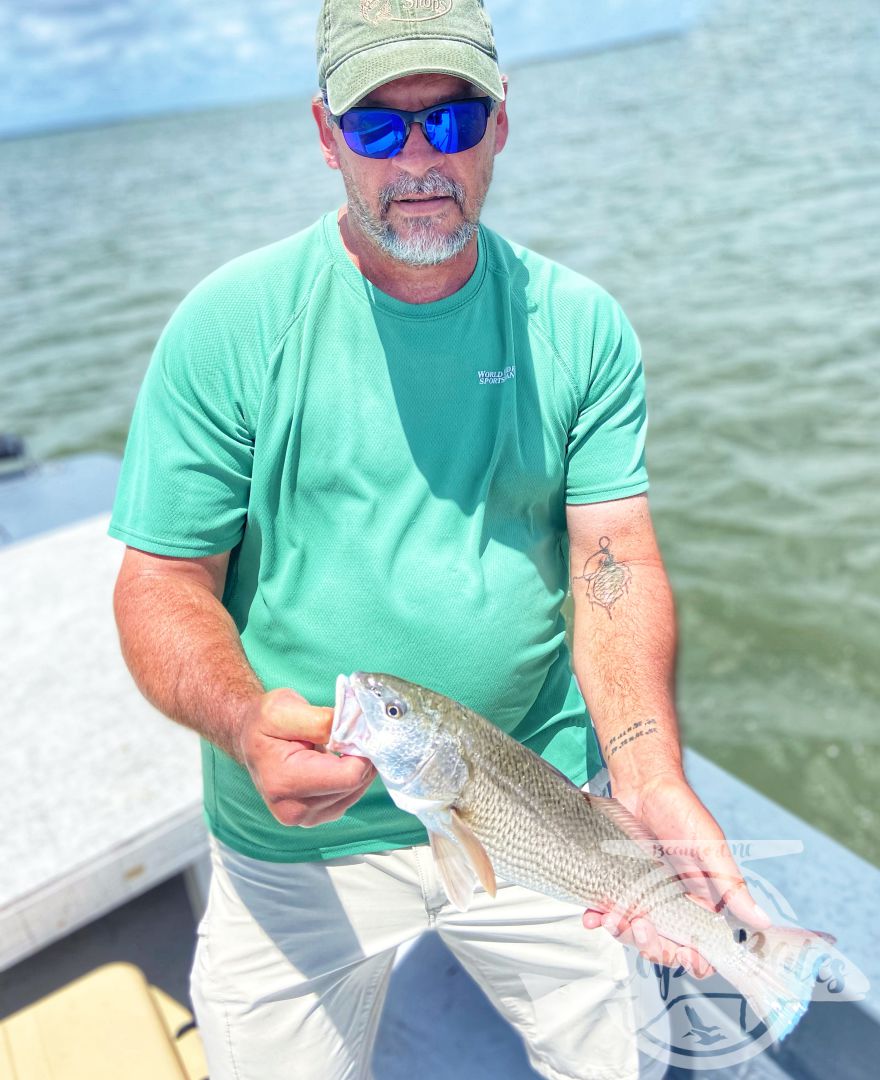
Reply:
x=285, y=714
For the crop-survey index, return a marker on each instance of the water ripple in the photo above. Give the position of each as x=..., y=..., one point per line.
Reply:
x=725, y=186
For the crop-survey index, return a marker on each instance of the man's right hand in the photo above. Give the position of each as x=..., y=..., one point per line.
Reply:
x=281, y=743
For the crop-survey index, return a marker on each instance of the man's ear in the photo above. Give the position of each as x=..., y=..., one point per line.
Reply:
x=325, y=132
x=501, y=127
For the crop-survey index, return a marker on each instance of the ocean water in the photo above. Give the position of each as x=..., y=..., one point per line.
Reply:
x=725, y=186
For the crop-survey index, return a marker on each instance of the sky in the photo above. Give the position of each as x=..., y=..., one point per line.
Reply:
x=67, y=62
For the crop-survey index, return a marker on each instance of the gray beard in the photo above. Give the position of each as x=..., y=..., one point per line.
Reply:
x=424, y=246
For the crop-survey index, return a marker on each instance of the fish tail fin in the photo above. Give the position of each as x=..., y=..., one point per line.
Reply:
x=781, y=970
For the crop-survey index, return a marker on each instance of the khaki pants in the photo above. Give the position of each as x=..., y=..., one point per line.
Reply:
x=293, y=962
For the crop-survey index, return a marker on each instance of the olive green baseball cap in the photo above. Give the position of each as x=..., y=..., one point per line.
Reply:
x=363, y=44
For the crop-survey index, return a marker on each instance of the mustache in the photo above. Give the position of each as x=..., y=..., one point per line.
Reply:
x=431, y=184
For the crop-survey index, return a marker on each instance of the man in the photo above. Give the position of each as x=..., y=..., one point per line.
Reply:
x=370, y=446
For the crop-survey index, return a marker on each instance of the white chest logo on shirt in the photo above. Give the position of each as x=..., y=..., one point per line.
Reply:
x=497, y=376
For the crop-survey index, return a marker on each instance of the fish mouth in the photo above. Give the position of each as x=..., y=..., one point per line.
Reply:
x=347, y=713
x=362, y=686
x=349, y=734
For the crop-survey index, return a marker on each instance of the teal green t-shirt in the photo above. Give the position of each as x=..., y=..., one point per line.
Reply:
x=391, y=481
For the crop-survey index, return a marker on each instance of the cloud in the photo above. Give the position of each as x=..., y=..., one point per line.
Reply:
x=69, y=60
x=42, y=30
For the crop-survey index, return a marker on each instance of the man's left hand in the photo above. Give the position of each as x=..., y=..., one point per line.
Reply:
x=695, y=846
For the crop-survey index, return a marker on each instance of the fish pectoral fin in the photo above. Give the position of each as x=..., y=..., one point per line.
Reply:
x=476, y=853
x=461, y=860
x=455, y=870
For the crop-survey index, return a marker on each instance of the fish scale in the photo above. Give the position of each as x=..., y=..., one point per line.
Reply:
x=541, y=831
x=522, y=814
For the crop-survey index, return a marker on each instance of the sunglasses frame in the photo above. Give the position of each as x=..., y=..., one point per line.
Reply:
x=410, y=118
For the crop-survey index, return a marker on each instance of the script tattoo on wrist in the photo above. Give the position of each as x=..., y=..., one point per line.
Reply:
x=636, y=730
x=606, y=579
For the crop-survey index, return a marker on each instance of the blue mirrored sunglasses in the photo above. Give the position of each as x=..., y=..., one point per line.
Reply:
x=450, y=127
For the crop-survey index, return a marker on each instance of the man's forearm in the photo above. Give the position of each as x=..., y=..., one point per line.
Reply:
x=185, y=654
x=624, y=660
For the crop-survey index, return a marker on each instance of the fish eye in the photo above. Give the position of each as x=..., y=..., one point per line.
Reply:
x=394, y=709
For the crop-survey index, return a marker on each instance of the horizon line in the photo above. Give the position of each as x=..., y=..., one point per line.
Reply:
x=63, y=127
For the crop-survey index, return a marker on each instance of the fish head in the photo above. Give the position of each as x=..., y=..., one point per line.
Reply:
x=400, y=727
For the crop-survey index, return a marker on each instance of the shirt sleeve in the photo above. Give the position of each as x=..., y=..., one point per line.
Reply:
x=185, y=480
x=605, y=454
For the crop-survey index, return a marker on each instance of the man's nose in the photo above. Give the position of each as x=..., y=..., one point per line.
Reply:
x=417, y=151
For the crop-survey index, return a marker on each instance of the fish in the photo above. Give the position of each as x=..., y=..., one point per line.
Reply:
x=494, y=810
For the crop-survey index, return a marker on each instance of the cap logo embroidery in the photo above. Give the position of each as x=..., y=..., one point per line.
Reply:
x=376, y=12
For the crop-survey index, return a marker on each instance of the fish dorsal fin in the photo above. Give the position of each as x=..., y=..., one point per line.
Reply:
x=628, y=824
x=455, y=871
x=461, y=859
x=476, y=853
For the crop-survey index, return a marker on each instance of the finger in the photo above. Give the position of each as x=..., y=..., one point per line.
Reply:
x=309, y=810
x=721, y=871
x=616, y=919
x=742, y=905
x=286, y=715
x=306, y=773
x=697, y=883
x=651, y=945
x=705, y=867
x=684, y=859
x=647, y=940
x=615, y=922
x=333, y=809
x=639, y=931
